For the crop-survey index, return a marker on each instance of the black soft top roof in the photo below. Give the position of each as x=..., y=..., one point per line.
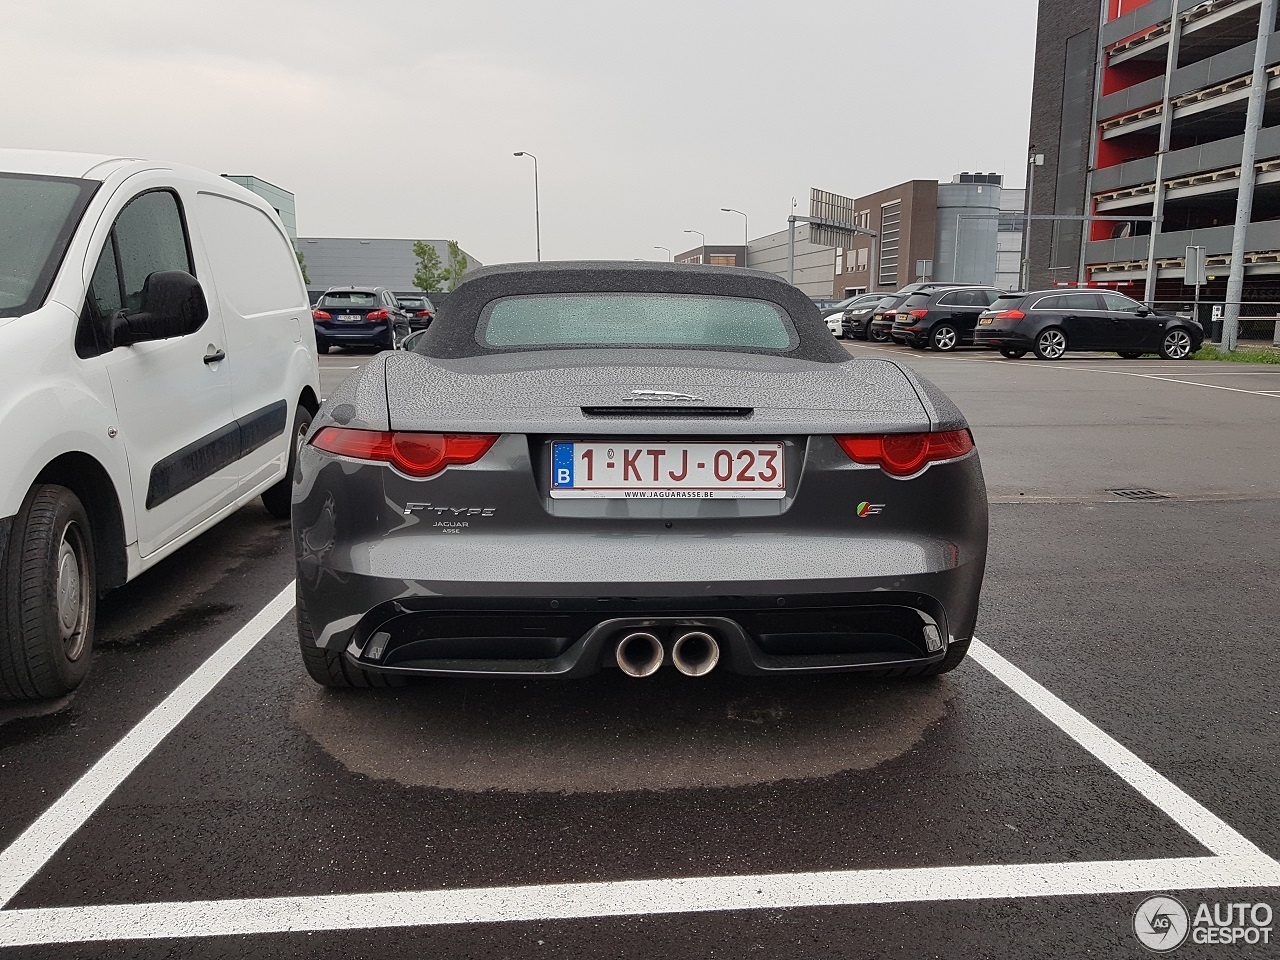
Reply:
x=453, y=332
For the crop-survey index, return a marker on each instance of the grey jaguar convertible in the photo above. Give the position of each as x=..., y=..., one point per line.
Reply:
x=636, y=466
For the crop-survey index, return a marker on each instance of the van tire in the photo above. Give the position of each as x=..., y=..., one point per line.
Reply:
x=279, y=499
x=48, y=597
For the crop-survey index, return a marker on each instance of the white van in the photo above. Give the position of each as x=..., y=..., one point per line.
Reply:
x=157, y=371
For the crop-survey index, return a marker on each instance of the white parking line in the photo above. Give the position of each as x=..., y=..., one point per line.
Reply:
x=1079, y=367
x=1235, y=863
x=24, y=858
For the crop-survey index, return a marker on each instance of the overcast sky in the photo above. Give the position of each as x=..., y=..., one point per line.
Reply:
x=398, y=119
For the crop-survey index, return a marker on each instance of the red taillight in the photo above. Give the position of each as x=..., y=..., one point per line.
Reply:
x=1008, y=315
x=919, y=314
x=320, y=315
x=891, y=313
x=378, y=315
x=423, y=313
x=903, y=454
x=416, y=454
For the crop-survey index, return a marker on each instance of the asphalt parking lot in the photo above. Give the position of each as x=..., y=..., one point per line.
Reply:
x=1113, y=735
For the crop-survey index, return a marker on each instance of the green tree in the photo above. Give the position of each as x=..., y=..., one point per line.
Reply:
x=457, y=266
x=302, y=262
x=430, y=275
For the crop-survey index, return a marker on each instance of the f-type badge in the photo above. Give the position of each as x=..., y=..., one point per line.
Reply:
x=666, y=396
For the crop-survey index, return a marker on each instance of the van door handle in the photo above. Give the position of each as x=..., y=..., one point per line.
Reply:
x=215, y=356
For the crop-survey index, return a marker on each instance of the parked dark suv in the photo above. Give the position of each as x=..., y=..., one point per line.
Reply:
x=942, y=319
x=359, y=317
x=420, y=309
x=1051, y=322
x=880, y=326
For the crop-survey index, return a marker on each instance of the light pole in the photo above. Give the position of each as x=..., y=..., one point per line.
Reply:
x=704, y=241
x=670, y=256
x=745, y=235
x=537, y=213
x=1033, y=160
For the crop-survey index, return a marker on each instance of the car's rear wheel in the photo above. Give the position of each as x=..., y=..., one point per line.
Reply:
x=333, y=669
x=278, y=499
x=1176, y=344
x=1051, y=344
x=1012, y=353
x=1129, y=354
x=48, y=597
x=322, y=346
x=944, y=338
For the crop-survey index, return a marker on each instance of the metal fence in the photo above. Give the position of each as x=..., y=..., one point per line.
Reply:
x=1259, y=320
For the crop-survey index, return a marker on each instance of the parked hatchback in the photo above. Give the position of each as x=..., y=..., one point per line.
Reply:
x=157, y=372
x=1051, y=322
x=359, y=317
x=855, y=314
x=942, y=319
x=420, y=310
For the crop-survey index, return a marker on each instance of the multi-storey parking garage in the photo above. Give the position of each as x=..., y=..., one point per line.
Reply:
x=1166, y=84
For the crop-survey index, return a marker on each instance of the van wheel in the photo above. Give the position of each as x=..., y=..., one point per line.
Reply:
x=48, y=597
x=278, y=499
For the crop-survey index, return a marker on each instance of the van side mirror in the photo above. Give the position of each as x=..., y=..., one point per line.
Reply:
x=173, y=305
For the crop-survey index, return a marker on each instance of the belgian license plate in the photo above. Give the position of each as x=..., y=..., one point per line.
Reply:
x=351, y=317
x=667, y=471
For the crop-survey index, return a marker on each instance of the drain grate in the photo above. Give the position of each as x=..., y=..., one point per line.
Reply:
x=1140, y=494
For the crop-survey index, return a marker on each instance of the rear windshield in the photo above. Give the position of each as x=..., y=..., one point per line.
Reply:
x=416, y=302
x=349, y=298
x=635, y=319
x=917, y=300
x=1007, y=301
x=37, y=217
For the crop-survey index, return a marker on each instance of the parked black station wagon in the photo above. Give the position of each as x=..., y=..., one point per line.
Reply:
x=942, y=319
x=1051, y=322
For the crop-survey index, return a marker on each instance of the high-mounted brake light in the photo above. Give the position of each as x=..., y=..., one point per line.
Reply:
x=320, y=315
x=1008, y=315
x=919, y=314
x=378, y=315
x=415, y=454
x=904, y=454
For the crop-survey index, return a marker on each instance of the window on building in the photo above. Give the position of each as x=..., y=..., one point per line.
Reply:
x=890, y=226
x=723, y=259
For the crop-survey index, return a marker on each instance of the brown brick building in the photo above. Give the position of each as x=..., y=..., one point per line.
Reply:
x=906, y=218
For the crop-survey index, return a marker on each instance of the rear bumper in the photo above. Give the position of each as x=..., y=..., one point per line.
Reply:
x=575, y=636
x=995, y=339
x=356, y=334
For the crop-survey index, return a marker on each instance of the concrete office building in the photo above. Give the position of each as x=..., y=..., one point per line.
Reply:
x=280, y=199
x=714, y=255
x=814, y=263
x=1118, y=140
x=343, y=261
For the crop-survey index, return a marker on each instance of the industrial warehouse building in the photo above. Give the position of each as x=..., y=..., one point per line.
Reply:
x=350, y=261
x=1139, y=110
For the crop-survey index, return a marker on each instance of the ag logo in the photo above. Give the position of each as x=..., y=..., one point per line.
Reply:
x=1161, y=924
x=869, y=509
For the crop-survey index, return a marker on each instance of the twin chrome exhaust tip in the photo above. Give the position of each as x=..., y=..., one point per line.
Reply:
x=695, y=653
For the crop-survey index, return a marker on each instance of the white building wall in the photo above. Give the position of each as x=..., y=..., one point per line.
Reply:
x=815, y=264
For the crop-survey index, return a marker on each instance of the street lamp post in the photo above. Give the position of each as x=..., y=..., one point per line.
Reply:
x=704, y=239
x=670, y=255
x=537, y=212
x=745, y=235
